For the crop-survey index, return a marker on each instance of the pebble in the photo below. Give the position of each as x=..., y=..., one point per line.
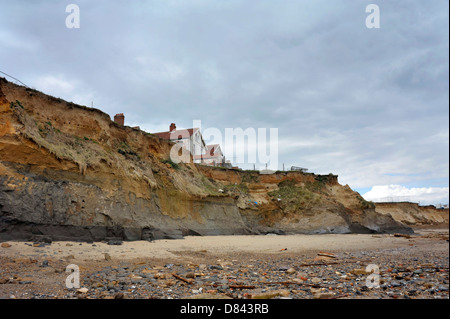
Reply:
x=244, y=278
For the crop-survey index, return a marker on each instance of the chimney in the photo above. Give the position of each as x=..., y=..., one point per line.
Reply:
x=119, y=118
x=172, y=127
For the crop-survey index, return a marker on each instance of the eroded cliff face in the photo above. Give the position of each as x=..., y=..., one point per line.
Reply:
x=414, y=215
x=69, y=172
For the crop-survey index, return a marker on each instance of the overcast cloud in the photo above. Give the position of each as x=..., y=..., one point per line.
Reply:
x=370, y=105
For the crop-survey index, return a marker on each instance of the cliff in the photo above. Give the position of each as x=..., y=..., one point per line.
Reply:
x=414, y=215
x=69, y=172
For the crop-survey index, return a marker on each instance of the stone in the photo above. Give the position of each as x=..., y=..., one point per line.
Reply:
x=119, y=296
x=323, y=295
x=82, y=290
x=215, y=267
x=159, y=275
x=6, y=245
x=115, y=242
x=42, y=239
x=107, y=256
x=359, y=271
x=316, y=280
x=272, y=294
x=290, y=271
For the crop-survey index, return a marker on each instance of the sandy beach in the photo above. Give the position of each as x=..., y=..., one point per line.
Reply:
x=36, y=270
x=255, y=244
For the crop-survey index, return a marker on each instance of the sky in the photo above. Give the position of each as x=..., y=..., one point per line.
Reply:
x=367, y=104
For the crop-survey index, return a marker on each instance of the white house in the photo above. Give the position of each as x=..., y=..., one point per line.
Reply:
x=213, y=156
x=191, y=139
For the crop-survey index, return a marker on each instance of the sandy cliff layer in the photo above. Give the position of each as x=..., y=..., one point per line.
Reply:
x=414, y=215
x=69, y=172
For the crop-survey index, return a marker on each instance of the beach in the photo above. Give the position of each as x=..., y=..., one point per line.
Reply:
x=291, y=266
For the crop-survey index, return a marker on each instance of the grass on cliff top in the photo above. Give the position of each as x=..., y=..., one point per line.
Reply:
x=365, y=204
x=294, y=198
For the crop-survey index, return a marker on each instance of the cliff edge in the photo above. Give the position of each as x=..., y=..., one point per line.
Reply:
x=70, y=173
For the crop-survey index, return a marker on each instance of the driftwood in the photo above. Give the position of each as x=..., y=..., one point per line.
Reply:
x=242, y=287
x=291, y=283
x=189, y=281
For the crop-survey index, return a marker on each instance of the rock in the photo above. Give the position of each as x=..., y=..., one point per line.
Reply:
x=115, y=242
x=159, y=275
x=45, y=263
x=42, y=239
x=119, y=296
x=107, y=256
x=316, y=280
x=215, y=267
x=272, y=294
x=323, y=295
x=418, y=271
x=290, y=271
x=359, y=271
x=132, y=233
x=6, y=245
x=82, y=290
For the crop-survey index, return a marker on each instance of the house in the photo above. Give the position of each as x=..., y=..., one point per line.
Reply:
x=213, y=156
x=190, y=139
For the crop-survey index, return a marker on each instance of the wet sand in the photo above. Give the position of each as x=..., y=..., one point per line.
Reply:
x=268, y=244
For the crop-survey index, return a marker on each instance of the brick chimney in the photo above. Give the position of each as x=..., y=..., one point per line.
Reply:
x=173, y=127
x=119, y=118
